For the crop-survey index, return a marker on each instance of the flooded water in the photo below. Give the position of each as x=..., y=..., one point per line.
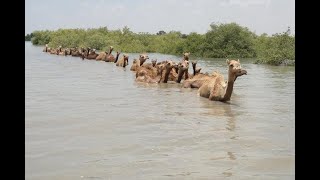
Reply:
x=91, y=120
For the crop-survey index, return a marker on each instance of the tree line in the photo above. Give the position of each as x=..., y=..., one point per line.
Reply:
x=228, y=40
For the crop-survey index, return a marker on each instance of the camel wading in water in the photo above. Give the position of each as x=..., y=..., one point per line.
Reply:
x=76, y=52
x=136, y=63
x=158, y=73
x=215, y=88
x=106, y=56
x=124, y=61
x=152, y=64
x=117, y=57
x=186, y=60
x=46, y=48
x=89, y=54
x=183, y=65
x=110, y=57
x=55, y=51
x=102, y=56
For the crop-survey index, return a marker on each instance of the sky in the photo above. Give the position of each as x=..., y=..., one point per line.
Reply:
x=260, y=16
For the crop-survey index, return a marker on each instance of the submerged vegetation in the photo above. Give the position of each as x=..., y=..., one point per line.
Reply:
x=221, y=41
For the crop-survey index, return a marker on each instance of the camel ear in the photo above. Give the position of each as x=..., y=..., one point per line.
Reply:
x=228, y=62
x=238, y=60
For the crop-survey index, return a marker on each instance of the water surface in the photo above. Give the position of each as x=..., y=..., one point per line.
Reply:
x=91, y=120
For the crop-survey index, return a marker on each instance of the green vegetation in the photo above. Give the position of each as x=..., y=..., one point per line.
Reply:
x=221, y=41
x=275, y=49
x=28, y=37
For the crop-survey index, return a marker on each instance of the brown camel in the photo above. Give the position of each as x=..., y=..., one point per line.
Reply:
x=124, y=61
x=76, y=52
x=139, y=62
x=157, y=74
x=152, y=64
x=195, y=69
x=182, y=69
x=103, y=56
x=186, y=60
x=55, y=51
x=45, y=48
x=216, y=89
x=63, y=52
x=117, y=56
x=110, y=57
x=186, y=56
x=89, y=54
x=173, y=75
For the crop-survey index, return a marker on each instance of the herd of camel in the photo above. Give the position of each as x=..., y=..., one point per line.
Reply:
x=212, y=86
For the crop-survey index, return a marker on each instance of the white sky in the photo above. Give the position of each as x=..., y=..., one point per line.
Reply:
x=260, y=16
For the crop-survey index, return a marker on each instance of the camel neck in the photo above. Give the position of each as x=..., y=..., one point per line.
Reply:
x=116, y=58
x=186, y=76
x=166, y=75
x=142, y=60
x=124, y=62
x=229, y=90
x=194, y=70
x=180, y=74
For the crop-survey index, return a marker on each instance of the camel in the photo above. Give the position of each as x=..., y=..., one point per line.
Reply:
x=186, y=59
x=138, y=62
x=55, y=51
x=181, y=67
x=62, y=52
x=117, y=56
x=45, y=48
x=89, y=54
x=186, y=56
x=195, y=70
x=110, y=57
x=216, y=89
x=152, y=64
x=182, y=70
x=76, y=52
x=123, y=62
x=103, y=56
x=157, y=74
x=196, y=81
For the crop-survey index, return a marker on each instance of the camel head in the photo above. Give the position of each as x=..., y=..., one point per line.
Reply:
x=182, y=69
x=186, y=56
x=195, y=70
x=235, y=69
x=194, y=63
x=134, y=61
x=110, y=50
x=153, y=62
x=125, y=60
x=185, y=65
x=169, y=64
x=143, y=58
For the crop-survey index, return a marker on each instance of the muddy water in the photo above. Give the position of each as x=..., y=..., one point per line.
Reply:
x=90, y=120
